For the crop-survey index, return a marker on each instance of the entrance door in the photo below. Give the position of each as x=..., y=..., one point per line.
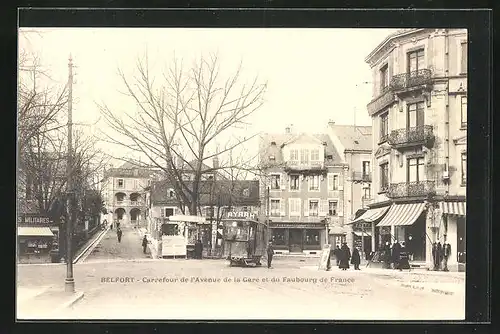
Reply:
x=296, y=239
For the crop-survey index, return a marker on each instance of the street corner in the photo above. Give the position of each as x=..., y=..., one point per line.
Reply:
x=48, y=304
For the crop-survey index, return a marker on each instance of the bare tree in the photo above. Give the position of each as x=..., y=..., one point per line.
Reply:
x=181, y=118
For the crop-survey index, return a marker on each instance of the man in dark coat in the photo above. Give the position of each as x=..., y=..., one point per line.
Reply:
x=119, y=235
x=198, y=249
x=144, y=244
x=403, y=262
x=338, y=253
x=446, y=255
x=355, y=259
x=439, y=253
x=387, y=255
x=435, y=258
x=396, y=249
x=345, y=256
x=270, y=253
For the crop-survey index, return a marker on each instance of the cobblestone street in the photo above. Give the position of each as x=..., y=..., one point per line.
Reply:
x=120, y=283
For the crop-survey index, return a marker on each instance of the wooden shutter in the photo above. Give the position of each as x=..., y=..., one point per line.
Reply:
x=340, y=208
x=323, y=208
x=330, y=182
x=306, y=208
x=283, y=181
x=282, y=207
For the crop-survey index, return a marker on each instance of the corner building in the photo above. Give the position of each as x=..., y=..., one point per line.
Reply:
x=419, y=118
x=302, y=187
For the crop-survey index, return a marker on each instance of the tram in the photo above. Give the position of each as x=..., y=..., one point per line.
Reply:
x=179, y=234
x=244, y=239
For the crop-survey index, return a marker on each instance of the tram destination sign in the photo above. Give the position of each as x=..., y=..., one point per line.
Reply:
x=241, y=214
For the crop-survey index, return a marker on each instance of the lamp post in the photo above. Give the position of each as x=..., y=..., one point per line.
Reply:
x=69, y=283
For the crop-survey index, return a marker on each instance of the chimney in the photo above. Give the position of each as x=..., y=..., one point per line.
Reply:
x=331, y=122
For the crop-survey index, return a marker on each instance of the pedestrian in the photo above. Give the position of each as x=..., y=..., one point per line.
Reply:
x=403, y=262
x=439, y=253
x=119, y=235
x=355, y=259
x=118, y=225
x=198, y=249
x=345, y=256
x=387, y=255
x=446, y=255
x=396, y=248
x=330, y=255
x=270, y=253
x=337, y=253
x=111, y=225
x=144, y=244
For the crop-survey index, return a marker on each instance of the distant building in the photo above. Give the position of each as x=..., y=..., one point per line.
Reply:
x=354, y=144
x=302, y=179
x=419, y=114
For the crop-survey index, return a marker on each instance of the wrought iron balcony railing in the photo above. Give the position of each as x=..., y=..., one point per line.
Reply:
x=411, y=189
x=362, y=176
x=382, y=101
x=419, y=135
x=412, y=79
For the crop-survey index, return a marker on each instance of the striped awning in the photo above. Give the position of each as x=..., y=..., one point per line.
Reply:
x=370, y=215
x=453, y=208
x=33, y=231
x=402, y=214
x=361, y=234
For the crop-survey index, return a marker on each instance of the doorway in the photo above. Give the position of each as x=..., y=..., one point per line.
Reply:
x=296, y=239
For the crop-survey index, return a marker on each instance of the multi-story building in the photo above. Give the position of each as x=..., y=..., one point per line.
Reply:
x=354, y=143
x=124, y=194
x=302, y=178
x=419, y=114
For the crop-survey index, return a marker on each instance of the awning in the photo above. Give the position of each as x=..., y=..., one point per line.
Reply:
x=32, y=231
x=453, y=208
x=370, y=215
x=360, y=234
x=402, y=214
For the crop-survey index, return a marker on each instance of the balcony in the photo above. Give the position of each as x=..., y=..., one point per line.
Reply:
x=410, y=137
x=361, y=177
x=297, y=166
x=411, y=189
x=129, y=203
x=410, y=81
x=384, y=100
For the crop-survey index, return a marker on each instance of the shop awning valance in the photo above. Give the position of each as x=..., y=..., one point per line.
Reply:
x=360, y=234
x=453, y=208
x=402, y=214
x=34, y=231
x=370, y=215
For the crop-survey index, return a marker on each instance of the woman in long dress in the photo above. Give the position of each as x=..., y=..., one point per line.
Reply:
x=345, y=256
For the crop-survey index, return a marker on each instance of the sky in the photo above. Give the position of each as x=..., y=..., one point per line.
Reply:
x=312, y=75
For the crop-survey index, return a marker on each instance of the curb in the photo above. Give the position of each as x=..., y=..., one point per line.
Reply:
x=92, y=245
x=77, y=297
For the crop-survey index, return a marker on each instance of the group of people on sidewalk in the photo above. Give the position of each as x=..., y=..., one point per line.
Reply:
x=395, y=257
x=343, y=255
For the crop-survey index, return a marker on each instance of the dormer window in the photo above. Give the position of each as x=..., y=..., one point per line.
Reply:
x=294, y=155
x=272, y=158
x=315, y=155
x=273, y=143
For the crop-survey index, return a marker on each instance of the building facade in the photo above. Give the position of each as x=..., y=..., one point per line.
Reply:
x=354, y=143
x=419, y=114
x=302, y=180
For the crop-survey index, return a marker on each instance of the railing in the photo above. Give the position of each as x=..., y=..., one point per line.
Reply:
x=382, y=101
x=311, y=165
x=129, y=203
x=410, y=136
x=362, y=176
x=411, y=189
x=408, y=80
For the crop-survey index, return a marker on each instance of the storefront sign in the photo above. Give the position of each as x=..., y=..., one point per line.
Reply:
x=325, y=254
x=33, y=220
x=360, y=226
x=294, y=225
x=241, y=214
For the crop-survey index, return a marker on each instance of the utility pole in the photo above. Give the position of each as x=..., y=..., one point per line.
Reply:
x=69, y=283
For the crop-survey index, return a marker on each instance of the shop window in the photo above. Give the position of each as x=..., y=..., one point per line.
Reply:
x=312, y=238
x=278, y=237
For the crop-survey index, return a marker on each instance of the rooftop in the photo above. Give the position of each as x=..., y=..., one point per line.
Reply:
x=354, y=137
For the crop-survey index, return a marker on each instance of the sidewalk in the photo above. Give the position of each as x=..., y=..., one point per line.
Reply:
x=152, y=243
x=43, y=302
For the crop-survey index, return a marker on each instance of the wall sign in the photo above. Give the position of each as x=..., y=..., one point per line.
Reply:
x=293, y=225
x=241, y=214
x=33, y=220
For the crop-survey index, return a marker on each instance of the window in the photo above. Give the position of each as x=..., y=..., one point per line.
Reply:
x=315, y=155
x=304, y=156
x=275, y=181
x=294, y=182
x=314, y=182
x=366, y=169
x=384, y=77
x=246, y=192
x=415, y=172
x=314, y=208
x=170, y=229
x=463, y=57
x=171, y=193
x=384, y=176
x=367, y=192
x=236, y=231
x=275, y=208
x=121, y=183
x=332, y=208
x=415, y=115
x=384, y=127
x=464, y=168
x=312, y=237
x=415, y=60
x=333, y=182
x=294, y=155
x=464, y=111
x=278, y=236
x=295, y=206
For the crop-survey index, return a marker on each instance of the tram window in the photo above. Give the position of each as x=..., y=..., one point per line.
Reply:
x=170, y=229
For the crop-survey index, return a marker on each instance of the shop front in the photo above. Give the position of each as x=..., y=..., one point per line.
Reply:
x=454, y=228
x=365, y=235
x=36, y=239
x=289, y=238
x=362, y=237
